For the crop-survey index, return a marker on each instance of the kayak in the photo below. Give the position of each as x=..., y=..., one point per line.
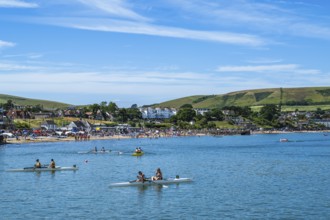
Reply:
x=137, y=153
x=32, y=169
x=95, y=152
x=150, y=182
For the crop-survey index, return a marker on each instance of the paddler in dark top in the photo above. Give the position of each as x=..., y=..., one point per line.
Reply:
x=52, y=164
x=158, y=176
x=38, y=164
x=140, y=177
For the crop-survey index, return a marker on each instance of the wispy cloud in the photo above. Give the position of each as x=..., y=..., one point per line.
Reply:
x=6, y=44
x=258, y=68
x=271, y=17
x=119, y=8
x=16, y=67
x=28, y=55
x=38, y=77
x=163, y=31
x=120, y=26
x=120, y=16
x=17, y=4
x=294, y=68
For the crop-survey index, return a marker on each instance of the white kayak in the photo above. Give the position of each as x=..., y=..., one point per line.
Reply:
x=150, y=182
x=95, y=152
x=32, y=169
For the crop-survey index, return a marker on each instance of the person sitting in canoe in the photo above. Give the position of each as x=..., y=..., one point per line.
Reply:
x=95, y=149
x=38, y=164
x=103, y=150
x=138, y=150
x=52, y=164
x=158, y=176
x=141, y=177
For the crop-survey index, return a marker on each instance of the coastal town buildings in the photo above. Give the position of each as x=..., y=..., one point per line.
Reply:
x=157, y=113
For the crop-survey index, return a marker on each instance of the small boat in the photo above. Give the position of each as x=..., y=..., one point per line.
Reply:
x=95, y=152
x=284, y=140
x=138, y=153
x=42, y=169
x=150, y=182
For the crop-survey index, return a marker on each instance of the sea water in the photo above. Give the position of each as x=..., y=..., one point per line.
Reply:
x=235, y=177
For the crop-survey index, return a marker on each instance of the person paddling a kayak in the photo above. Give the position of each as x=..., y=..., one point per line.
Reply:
x=38, y=164
x=140, y=177
x=52, y=164
x=158, y=176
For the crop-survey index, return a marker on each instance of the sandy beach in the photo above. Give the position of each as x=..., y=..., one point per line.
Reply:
x=56, y=139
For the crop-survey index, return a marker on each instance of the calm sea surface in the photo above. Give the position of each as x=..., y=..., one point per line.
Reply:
x=235, y=177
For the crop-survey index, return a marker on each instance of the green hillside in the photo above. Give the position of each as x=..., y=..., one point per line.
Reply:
x=312, y=96
x=33, y=102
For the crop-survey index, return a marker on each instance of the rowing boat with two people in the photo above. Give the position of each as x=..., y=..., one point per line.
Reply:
x=149, y=182
x=43, y=168
x=95, y=151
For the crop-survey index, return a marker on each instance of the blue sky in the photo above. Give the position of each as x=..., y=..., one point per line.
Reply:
x=144, y=52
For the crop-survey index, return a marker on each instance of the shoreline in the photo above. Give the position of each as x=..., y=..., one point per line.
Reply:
x=42, y=139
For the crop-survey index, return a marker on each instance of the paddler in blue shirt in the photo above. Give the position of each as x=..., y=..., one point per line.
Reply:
x=52, y=164
x=38, y=164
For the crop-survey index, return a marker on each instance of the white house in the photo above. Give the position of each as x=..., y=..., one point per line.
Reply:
x=81, y=125
x=157, y=113
x=49, y=125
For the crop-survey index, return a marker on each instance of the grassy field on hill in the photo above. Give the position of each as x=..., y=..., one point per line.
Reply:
x=290, y=98
x=304, y=99
x=33, y=102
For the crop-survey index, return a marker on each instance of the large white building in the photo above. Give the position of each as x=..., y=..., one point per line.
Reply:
x=157, y=113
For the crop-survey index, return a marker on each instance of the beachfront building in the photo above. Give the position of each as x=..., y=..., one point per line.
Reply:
x=325, y=122
x=80, y=125
x=49, y=125
x=157, y=113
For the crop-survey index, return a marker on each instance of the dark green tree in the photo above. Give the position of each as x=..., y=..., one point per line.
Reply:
x=8, y=105
x=94, y=108
x=217, y=114
x=186, y=114
x=122, y=115
x=112, y=108
x=269, y=112
x=134, y=114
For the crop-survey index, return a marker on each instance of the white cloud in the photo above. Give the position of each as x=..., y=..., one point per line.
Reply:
x=118, y=8
x=28, y=55
x=269, y=17
x=258, y=68
x=147, y=86
x=17, y=3
x=157, y=30
x=6, y=44
x=16, y=67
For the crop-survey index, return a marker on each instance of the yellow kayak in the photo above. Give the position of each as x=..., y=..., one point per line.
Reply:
x=138, y=153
